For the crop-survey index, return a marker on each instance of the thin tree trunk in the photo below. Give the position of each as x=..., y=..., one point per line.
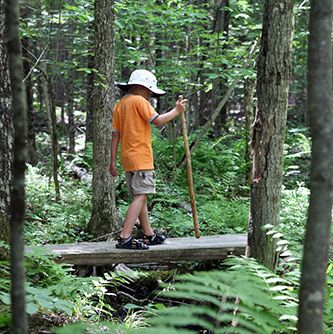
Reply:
x=90, y=97
x=104, y=215
x=221, y=26
x=70, y=113
x=71, y=88
x=269, y=127
x=6, y=132
x=59, y=44
x=40, y=94
x=19, y=317
x=31, y=143
x=52, y=125
x=248, y=107
x=318, y=228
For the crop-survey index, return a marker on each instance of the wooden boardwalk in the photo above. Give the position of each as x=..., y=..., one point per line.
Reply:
x=174, y=250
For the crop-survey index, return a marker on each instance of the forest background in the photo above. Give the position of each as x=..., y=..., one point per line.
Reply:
x=205, y=57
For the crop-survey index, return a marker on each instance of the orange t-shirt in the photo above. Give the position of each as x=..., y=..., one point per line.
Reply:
x=132, y=116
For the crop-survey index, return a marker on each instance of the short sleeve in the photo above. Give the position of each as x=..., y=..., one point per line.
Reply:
x=115, y=120
x=147, y=112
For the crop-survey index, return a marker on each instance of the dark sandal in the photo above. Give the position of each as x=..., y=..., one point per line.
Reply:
x=155, y=239
x=131, y=243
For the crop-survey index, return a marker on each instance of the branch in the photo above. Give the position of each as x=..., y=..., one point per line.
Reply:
x=35, y=65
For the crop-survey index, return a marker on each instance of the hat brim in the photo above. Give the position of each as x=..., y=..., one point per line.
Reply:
x=125, y=87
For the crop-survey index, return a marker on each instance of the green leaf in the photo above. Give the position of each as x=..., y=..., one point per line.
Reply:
x=32, y=308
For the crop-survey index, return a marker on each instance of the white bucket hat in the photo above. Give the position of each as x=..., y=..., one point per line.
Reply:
x=145, y=79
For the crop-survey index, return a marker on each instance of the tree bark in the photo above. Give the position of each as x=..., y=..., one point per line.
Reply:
x=104, y=215
x=17, y=203
x=31, y=144
x=221, y=25
x=269, y=127
x=70, y=113
x=6, y=132
x=90, y=95
x=318, y=228
x=248, y=107
x=71, y=89
x=48, y=98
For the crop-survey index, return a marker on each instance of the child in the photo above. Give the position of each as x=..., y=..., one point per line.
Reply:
x=131, y=127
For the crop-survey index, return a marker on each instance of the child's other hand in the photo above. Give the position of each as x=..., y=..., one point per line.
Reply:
x=180, y=105
x=113, y=170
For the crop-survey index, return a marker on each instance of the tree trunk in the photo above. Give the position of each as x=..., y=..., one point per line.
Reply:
x=104, y=215
x=31, y=143
x=221, y=25
x=318, y=229
x=17, y=200
x=48, y=98
x=90, y=97
x=269, y=127
x=70, y=114
x=6, y=132
x=71, y=88
x=248, y=107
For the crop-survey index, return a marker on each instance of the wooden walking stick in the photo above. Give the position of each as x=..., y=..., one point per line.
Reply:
x=189, y=174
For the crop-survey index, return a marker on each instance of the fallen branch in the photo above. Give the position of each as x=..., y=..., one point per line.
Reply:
x=82, y=174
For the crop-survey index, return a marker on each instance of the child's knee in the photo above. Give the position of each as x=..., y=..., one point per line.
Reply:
x=142, y=197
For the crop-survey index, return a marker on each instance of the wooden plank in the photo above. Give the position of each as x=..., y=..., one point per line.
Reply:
x=173, y=250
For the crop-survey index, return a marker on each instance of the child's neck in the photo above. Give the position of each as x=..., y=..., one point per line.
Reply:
x=139, y=90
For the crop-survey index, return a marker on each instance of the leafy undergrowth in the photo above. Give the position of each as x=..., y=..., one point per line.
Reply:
x=49, y=221
x=222, y=194
x=221, y=204
x=244, y=298
x=58, y=294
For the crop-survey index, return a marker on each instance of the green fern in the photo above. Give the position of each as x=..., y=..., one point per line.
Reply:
x=246, y=299
x=258, y=311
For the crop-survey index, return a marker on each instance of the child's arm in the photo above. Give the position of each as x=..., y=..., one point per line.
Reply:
x=167, y=117
x=114, y=150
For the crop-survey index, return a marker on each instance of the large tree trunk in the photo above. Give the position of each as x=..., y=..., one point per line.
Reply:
x=17, y=203
x=318, y=229
x=104, y=218
x=269, y=127
x=6, y=132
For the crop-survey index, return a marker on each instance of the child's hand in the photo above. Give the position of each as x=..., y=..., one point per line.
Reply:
x=180, y=105
x=113, y=170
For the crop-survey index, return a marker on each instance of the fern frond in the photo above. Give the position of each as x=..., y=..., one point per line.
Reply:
x=245, y=299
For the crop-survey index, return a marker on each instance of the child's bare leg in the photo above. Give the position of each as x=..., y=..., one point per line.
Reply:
x=133, y=213
x=144, y=220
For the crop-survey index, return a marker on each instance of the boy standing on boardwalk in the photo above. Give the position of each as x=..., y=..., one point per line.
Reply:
x=131, y=127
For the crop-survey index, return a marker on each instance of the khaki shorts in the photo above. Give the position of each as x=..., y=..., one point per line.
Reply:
x=141, y=182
